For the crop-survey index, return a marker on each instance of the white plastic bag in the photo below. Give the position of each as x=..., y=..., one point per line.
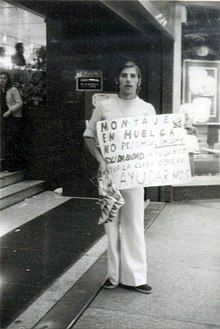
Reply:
x=110, y=199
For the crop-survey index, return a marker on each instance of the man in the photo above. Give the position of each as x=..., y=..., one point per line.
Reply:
x=126, y=241
x=18, y=58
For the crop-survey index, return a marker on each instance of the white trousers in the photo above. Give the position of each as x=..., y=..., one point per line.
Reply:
x=127, y=262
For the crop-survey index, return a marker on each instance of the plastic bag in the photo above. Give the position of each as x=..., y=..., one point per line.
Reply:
x=110, y=199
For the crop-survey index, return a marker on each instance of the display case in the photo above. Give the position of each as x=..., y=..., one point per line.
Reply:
x=200, y=103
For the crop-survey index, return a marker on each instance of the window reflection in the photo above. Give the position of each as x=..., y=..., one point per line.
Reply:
x=202, y=115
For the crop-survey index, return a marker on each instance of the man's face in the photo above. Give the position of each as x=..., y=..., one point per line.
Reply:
x=20, y=50
x=128, y=82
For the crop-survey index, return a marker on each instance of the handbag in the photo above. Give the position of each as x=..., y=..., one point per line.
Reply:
x=110, y=199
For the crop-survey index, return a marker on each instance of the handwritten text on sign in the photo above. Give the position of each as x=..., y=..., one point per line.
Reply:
x=145, y=151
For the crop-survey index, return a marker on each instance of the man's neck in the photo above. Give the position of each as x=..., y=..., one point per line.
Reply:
x=127, y=97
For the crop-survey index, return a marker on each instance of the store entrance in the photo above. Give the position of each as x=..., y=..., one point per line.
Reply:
x=22, y=80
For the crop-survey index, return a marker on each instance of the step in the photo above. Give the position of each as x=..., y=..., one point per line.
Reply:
x=200, y=187
x=9, y=178
x=26, y=210
x=15, y=193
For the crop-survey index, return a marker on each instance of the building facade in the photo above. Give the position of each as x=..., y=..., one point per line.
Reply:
x=87, y=39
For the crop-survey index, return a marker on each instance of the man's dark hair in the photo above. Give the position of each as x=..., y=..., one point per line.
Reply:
x=19, y=45
x=129, y=65
x=9, y=80
x=126, y=65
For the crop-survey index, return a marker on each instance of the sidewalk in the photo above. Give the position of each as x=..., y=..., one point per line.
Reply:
x=183, y=247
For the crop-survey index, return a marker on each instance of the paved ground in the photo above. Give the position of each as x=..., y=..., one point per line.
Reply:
x=183, y=247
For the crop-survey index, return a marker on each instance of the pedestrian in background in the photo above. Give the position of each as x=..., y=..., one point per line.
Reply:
x=11, y=122
x=127, y=264
x=18, y=58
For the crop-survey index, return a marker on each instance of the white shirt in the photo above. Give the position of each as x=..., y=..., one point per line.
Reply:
x=117, y=108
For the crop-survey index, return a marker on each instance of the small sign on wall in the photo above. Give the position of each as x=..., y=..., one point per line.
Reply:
x=88, y=80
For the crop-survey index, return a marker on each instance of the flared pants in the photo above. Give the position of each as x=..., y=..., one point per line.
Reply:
x=127, y=262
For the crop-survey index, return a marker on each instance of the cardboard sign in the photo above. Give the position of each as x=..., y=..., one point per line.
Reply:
x=145, y=151
x=98, y=98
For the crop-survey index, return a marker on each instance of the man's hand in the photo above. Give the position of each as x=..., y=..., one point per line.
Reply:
x=102, y=168
x=91, y=144
x=6, y=114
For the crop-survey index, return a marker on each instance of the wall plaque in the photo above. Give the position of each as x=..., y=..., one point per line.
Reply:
x=88, y=80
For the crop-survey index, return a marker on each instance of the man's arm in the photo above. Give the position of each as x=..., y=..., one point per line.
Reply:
x=93, y=149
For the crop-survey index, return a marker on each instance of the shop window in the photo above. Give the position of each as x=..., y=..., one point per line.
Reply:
x=23, y=52
x=201, y=102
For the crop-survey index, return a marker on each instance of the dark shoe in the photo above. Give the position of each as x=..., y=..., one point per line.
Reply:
x=144, y=289
x=109, y=285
